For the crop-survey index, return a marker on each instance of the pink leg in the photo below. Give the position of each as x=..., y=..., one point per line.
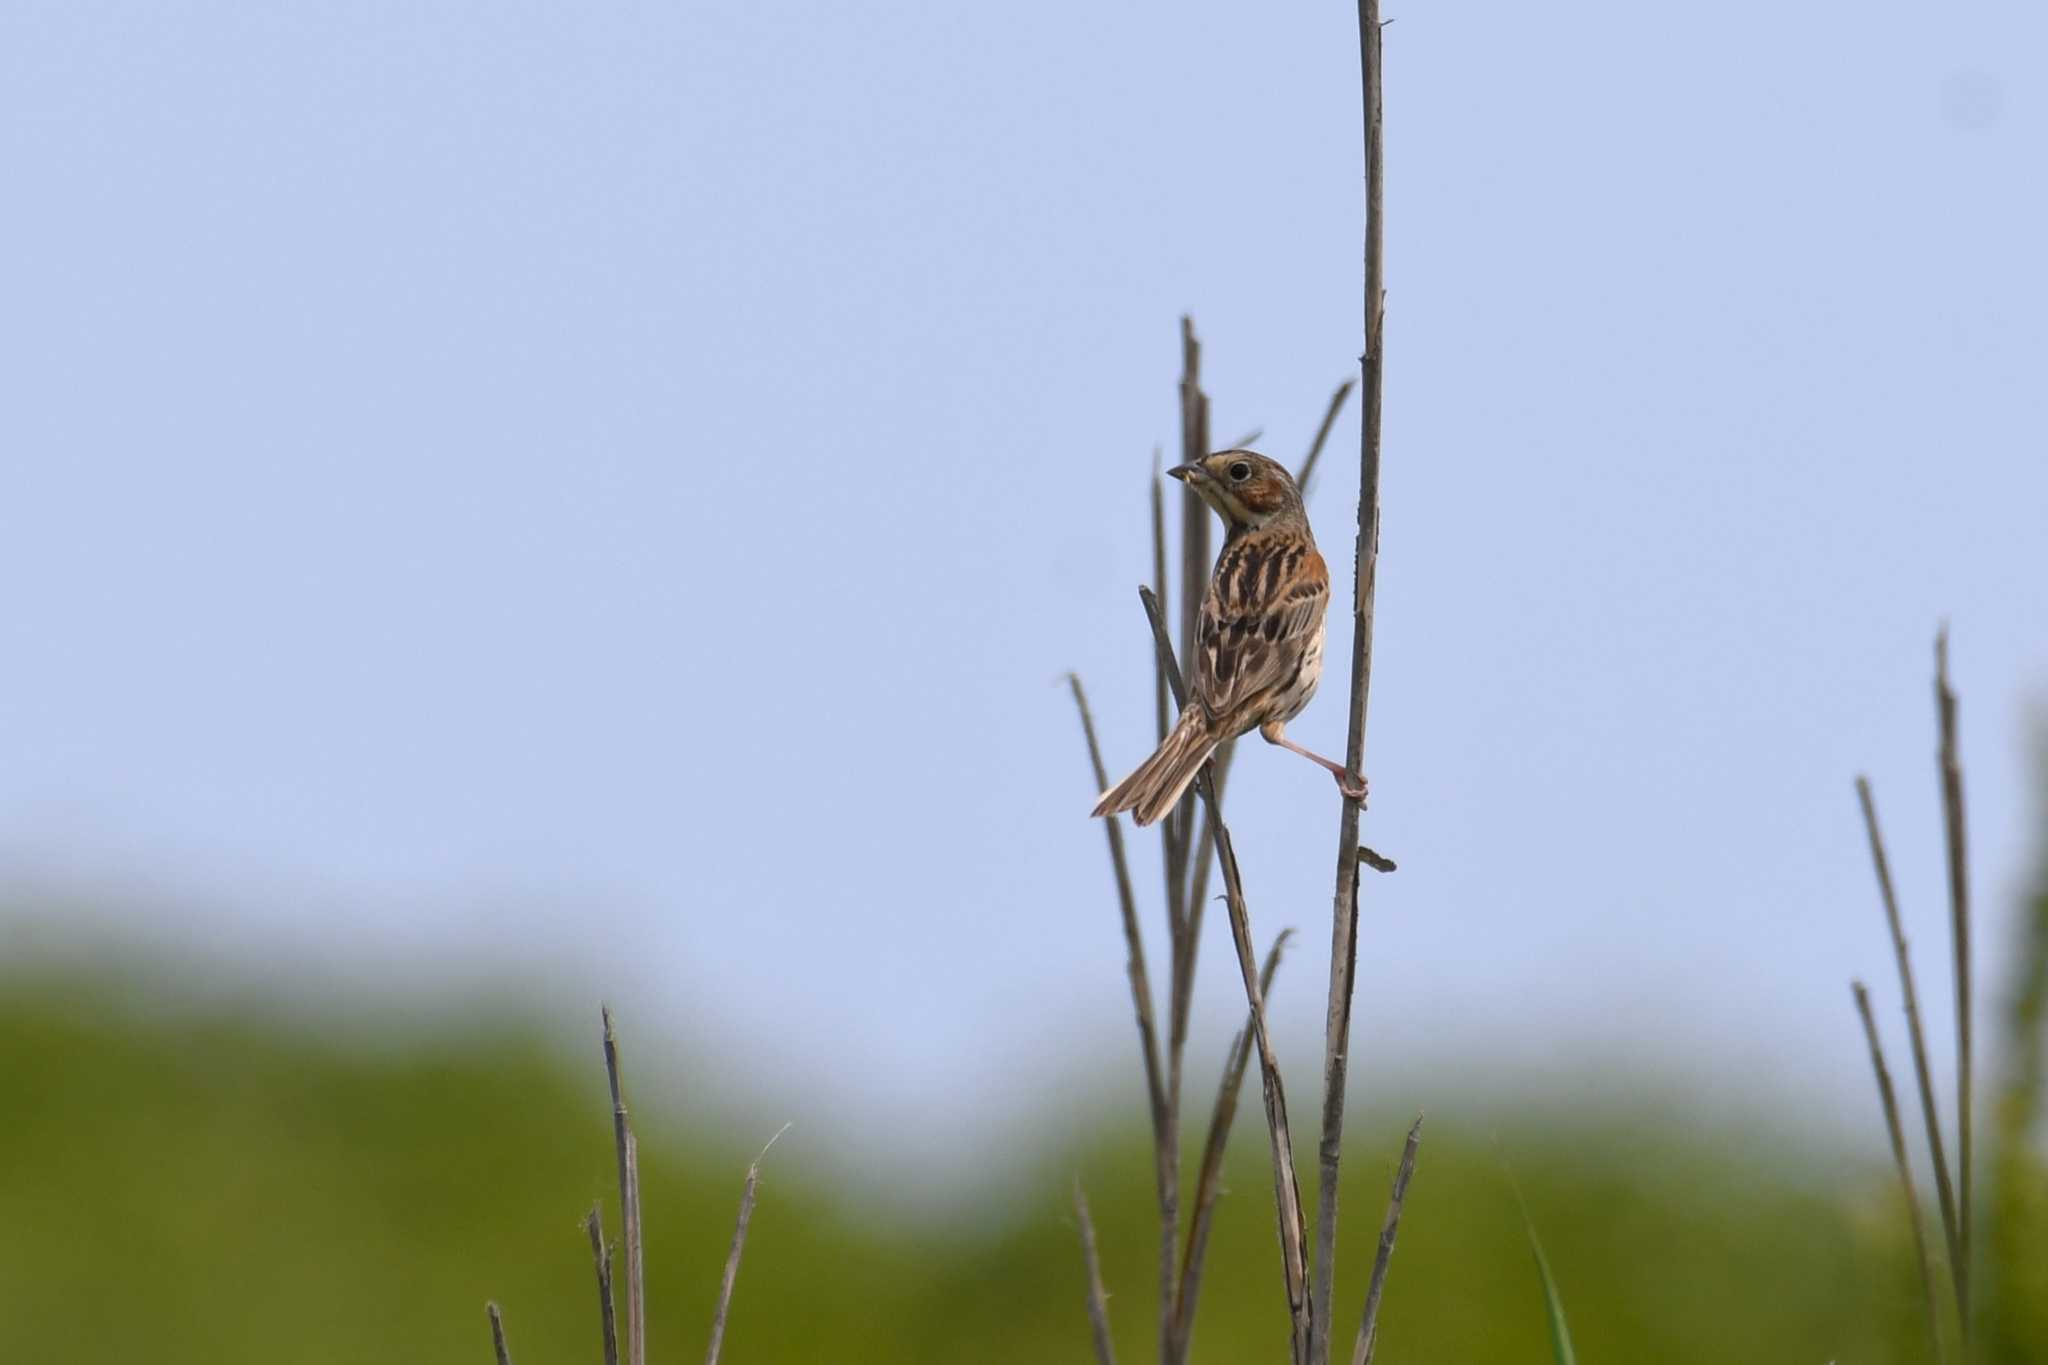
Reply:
x=1352, y=786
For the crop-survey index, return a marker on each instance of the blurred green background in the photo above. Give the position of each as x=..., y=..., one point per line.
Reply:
x=187, y=1178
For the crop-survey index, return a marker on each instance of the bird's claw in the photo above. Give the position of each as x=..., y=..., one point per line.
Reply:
x=1352, y=785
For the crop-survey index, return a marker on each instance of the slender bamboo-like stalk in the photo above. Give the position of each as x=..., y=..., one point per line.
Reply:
x=1198, y=884
x=1098, y=1300
x=1897, y=1133
x=739, y=1243
x=1163, y=1102
x=593, y=1223
x=1183, y=917
x=1956, y=830
x=1162, y=712
x=1286, y=1189
x=1194, y=544
x=1315, y=450
x=498, y=1334
x=1127, y=908
x=1369, y=1323
x=1344, y=899
x=1194, y=444
x=1923, y=1074
x=1209, y=1184
x=629, y=1200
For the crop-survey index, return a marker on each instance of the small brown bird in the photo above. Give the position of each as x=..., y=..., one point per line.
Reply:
x=1259, y=647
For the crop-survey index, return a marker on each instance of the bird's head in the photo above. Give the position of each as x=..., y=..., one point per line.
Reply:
x=1246, y=489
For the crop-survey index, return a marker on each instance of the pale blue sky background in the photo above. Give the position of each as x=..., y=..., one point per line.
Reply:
x=607, y=492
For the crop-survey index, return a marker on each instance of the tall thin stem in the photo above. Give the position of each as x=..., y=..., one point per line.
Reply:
x=1098, y=1298
x=748, y=1190
x=1369, y=1322
x=1209, y=1184
x=1286, y=1188
x=1897, y=1133
x=1929, y=1111
x=498, y=1334
x=629, y=1201
x=1163, y=1101
x=593, y=1224
x=1956, y=828
x=1344, y=899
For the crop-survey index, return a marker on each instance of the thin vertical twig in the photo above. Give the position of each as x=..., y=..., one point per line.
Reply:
x=593, y=1223
x=1194, y=555
x=1365, y=566
x=1127, y=908
x=1194, y=444
x=1209, y=1183
x=1286, y=1189
x=1162, y=713
x=1897, y=1134
x=1943, y=1189
x=1178, y=832
x=739, y=1243
x=1369, y=1323
x=629, y=1200
x=1172, y=833
x=1162, y=1100
x=498, y=1334
x=1098, y=1301
x=1204, y=860
x=1956, y=829
x=1315, y=450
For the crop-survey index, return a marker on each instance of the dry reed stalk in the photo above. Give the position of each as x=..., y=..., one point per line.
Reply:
x=1194, y=444
x=1127, y=908
x=1286, y=1189
x=1195, y=559
x=1198, y=885
x=1955, y=830
x=1315, y=450
x=498, y=1334
x=1209, y=1183
x=629, y=1200
x=739, y=1243
x=1183, y=914
x=1369, y=1322
x=1897, y=1132
x=1098, y=1300
x=1923, y=1074
x=593, y=1224
x=1162, y=1101
x=1365, y=566
x=1162, y=713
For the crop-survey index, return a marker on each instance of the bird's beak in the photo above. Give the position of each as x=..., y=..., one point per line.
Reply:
x=1189, y=474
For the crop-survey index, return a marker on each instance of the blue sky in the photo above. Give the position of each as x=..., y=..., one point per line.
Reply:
x=608, y=494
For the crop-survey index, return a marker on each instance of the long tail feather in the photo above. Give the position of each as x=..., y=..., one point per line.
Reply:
x=1157, y=785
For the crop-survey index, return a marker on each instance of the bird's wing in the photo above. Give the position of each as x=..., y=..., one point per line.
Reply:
x=1264, y=605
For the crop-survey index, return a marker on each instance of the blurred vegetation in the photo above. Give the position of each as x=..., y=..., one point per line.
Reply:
x=2017, y=1320
x=207, y=1185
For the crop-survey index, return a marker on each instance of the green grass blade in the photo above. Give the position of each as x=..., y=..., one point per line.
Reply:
x=1553, y=1305
x=1560, y=1335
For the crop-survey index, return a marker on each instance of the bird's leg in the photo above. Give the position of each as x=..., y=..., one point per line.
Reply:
x=1352, y=785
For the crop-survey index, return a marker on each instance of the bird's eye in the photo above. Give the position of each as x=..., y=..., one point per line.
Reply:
x=1240, y=471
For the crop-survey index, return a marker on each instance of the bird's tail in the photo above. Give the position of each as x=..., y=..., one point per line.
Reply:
x=1156, y=786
